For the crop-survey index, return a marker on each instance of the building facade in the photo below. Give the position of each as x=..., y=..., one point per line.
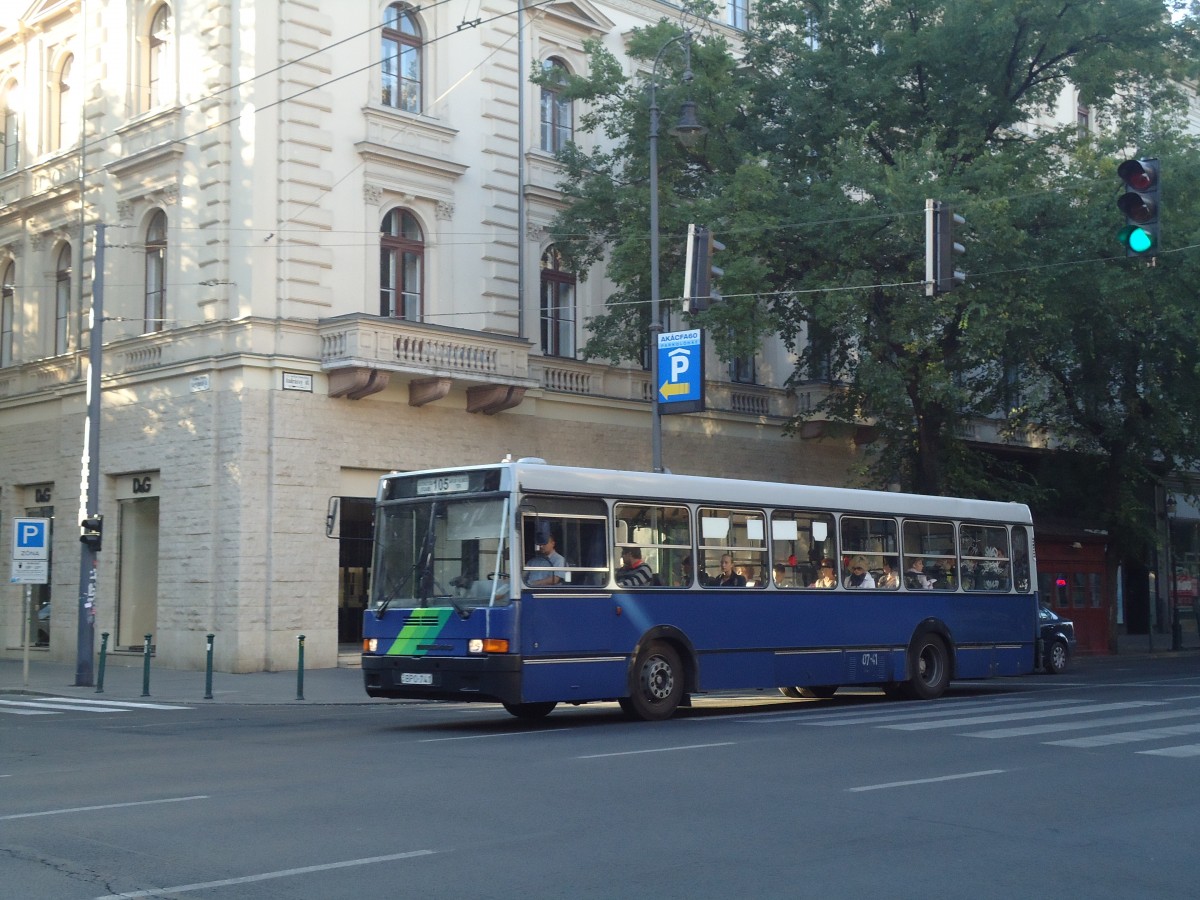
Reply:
x=325, y=258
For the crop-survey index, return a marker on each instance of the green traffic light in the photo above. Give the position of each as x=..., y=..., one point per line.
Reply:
x=1140, y=240
x=1135, y=239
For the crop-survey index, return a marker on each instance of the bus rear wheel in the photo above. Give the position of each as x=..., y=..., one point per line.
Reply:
x=929, y=668
x=655, y=683
x=531, y=711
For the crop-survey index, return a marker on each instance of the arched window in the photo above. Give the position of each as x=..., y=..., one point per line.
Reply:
x=558, y=306
x=156, y=272
x=62, y=300
x=401, y=58
x=10, y=154
x=155, y=89
x=401, y=259
x=7, y=293
x=66, y=119
x=558, y=113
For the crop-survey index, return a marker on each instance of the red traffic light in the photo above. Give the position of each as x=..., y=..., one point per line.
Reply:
x=1138, y=174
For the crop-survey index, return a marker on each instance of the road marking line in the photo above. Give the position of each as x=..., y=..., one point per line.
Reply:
x=1178, y=752
x=126, y=704
x=59, y=706
x=28, y=712
x=892, y=715
x=266, y=876
x=896, y=784
x=659, y=750
x=1013, y=717
x=1051, y=727
x=474, y=737
x=1127, y=737
x=75, y=809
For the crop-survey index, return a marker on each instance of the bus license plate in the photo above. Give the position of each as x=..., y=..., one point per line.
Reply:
x=416, y=678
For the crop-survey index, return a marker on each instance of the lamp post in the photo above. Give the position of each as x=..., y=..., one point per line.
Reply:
x=687, y=130
x=1172, y=585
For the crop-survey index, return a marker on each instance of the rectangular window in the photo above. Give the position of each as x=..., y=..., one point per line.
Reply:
x=662, y=534
x=739, y=13
x=868, y=551
x=733, y=548
x=929, y=556
x=6, y=327
x=577, y=554
x=985, y=559
x=799, y=541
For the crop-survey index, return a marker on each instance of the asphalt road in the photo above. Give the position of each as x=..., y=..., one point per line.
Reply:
x=1082, y=785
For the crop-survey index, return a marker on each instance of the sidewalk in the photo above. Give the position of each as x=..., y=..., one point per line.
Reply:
x=126, y=682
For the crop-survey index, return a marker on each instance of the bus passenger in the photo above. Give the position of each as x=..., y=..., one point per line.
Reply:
x=781, y=576
x=634, y=572
x=859, y=577
x=915, y=577
x=728, y=577
x=546, y=557
x=890, y=578
x=825, y=576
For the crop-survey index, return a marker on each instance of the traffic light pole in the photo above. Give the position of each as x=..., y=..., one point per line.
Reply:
x=90, y=477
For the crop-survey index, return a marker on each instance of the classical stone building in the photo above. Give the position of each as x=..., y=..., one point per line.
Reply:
x=325, y=257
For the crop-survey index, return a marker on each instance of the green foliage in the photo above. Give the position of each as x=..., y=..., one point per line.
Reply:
x=826, y=137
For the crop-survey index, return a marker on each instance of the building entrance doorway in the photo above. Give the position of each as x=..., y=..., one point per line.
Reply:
x=137, y=587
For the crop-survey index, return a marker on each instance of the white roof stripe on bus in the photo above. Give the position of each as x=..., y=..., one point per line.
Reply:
x=658, y=486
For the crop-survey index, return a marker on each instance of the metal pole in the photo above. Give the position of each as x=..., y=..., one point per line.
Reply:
x=300, y=671
x=208, y=670
x=90, y=501
x=103, y=656
x=25, y=635
x=146, y=667
x=655, y=289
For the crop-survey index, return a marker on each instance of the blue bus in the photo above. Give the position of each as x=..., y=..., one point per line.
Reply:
x=531, y=585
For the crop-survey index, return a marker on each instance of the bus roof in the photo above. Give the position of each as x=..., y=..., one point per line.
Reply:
x=538, y=475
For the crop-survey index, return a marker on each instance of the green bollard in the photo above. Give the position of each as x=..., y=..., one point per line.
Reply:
x=100, y=673
x=208, y=670
x=146, y=667
x=300, y=672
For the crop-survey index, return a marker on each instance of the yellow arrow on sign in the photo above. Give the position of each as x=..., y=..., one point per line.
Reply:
x=669, y=390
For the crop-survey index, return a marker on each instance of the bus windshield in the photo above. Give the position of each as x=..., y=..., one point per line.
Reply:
x=441, y=552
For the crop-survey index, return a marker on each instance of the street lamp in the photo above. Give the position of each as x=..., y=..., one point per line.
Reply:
x=1172, y=588
x=688, y=130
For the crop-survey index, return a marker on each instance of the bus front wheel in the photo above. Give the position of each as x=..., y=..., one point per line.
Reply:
x=929, y=668
x=530, y=711
x=656, y=683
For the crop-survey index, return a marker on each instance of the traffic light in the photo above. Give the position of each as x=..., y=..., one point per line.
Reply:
x=941, y=247
x=699, y=272
x=91, y=530
x=1139, y=203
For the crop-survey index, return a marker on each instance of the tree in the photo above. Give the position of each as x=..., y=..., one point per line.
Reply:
x=836, y=124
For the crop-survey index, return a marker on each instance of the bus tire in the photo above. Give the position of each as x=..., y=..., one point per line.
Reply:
x=656, y=683
x=796, y=693
x=929, y=667
x=531, y=711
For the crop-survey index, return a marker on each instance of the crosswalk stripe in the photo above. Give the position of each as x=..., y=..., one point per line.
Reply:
x=1051, y=727
x=58, y=707
x=1024, y=714
x=27, y=712
x=1128, y=737
x=1179, y=752
x=890, y=714
x=52, y=705
x=125, y=704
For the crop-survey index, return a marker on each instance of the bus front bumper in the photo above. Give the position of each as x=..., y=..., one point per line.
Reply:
x=465, y=679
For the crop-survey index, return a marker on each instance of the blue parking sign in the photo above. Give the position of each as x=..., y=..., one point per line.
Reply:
x=31, y=538
x=680, y=371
